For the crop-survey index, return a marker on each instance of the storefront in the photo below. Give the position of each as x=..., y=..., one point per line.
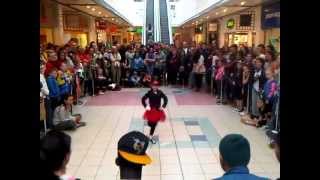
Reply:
x=134, y=34
x=47, y=21
x=199, y=34
x=270, y=23
x=241, y=28
x=212, y=36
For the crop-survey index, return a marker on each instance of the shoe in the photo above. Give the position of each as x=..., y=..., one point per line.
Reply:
x=152, y=141
x=80, y=124
x=235, y=110
x=242, y=113
x=101, y=93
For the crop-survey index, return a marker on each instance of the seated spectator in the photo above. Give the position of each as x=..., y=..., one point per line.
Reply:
x=55, y=151
x=135, y=79
x=234, y=158
x=63, y=118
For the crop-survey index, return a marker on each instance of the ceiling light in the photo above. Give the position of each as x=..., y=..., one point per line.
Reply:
x=242, y=3
x=112, y=19
x=93, y=9
x=99, y=12
x=208, y=17
x=217, y=13
x=88, y=7
x=225, y=10
x=105, y=15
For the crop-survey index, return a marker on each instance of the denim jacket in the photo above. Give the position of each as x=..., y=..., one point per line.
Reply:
x=240, y=173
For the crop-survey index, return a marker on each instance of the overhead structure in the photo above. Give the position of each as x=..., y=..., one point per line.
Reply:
x=97, y=9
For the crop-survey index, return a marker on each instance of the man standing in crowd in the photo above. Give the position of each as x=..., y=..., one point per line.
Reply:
x=185, y=65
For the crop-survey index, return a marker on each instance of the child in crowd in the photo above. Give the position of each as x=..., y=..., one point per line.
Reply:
x=269, y=90
x=154, y=112
x=245, y=88
x=258, y=82
x=146, y=80
x=63, y=118
x=135, y=79
x=237, y=87
x=54, y=90
x=101, y=81
x=219, y=80
x=64, y=79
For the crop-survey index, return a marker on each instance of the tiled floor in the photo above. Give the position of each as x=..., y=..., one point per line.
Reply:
x=188, y=139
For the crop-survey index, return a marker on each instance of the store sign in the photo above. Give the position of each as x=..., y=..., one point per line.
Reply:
x=270, y=16
x=231, y=23
x=213, y=27
x=101, y=24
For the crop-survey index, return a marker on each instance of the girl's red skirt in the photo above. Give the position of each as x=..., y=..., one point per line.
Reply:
x=154, y=115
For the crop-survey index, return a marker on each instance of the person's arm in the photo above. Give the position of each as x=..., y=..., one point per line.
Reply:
x=144, y=98
x=44, y=88
x=165, y=100
x=273, y=90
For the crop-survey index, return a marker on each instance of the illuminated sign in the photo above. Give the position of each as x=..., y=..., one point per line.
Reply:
x=231, y=23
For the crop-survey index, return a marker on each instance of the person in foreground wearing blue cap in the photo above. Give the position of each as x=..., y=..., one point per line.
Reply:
x=234, y=158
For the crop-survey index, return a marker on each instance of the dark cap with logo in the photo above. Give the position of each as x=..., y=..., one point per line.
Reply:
x=132, y=147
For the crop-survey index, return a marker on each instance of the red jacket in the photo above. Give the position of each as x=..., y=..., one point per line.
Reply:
x=52, y=64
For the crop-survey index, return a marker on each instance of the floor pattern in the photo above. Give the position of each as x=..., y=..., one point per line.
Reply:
x=188, y=139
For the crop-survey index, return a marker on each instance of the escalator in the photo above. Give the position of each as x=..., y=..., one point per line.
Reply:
x=149, y=33
x=164, y=22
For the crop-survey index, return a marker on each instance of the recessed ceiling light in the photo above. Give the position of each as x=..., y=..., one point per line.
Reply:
x=99, y=12
x=217, y=13
x=93, y=9
x=242, y=3
x=112, y=19
x=88, y=7
x=208, y=17
x=225, y=10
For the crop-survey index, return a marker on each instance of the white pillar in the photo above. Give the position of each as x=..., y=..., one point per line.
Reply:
x=259, y=39
x=58, y=28
x=92, y=30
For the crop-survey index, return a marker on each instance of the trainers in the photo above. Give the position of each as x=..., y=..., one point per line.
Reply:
x=152, y=140
x=242, y=113
x=101, y=93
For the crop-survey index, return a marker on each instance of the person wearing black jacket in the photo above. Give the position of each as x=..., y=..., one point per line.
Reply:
x=154, y=112
x=185, y=65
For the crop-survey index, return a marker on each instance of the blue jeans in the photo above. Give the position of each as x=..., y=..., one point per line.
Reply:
x=150, y=69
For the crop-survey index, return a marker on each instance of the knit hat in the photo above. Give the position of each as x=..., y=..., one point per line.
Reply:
x=235, y=150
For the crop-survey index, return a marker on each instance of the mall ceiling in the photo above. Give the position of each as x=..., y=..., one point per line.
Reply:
x=97, y=9
x=221, y=9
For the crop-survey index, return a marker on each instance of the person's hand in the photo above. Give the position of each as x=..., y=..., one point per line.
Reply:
x=234, y=83
x=148, y=108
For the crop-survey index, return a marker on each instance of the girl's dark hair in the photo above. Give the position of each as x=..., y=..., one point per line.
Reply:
x=54, y=147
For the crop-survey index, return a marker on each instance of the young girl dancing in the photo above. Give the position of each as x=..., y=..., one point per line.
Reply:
x=154, y=112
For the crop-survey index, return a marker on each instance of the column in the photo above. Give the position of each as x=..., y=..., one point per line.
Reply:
x=92, y=30
x=58, y=28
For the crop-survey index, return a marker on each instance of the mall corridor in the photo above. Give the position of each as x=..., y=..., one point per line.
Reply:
x=188, y=139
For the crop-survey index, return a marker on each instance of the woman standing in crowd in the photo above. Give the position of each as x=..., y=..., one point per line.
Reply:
x=150, y=60
x=258, y=82
x=115, y=59
x=199, y=68
x=173, y=66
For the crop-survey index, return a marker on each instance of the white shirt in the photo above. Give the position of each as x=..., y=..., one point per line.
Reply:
x=44, y=90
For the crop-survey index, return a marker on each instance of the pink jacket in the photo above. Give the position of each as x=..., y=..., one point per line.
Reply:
x=220, y=73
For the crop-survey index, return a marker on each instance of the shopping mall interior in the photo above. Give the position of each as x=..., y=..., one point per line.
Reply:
x=160, y=89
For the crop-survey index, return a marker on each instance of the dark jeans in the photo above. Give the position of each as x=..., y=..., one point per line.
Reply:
x=49, y=113
x=172, y=77
x=55, y=102
x=153, y=127
x=198, y=79
x=66, y=125
x=88, y=87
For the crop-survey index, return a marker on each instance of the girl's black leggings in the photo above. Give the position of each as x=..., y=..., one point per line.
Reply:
x=153, y=127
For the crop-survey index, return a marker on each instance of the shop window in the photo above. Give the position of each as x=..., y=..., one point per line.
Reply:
x=74, y=22
x=246, y=21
